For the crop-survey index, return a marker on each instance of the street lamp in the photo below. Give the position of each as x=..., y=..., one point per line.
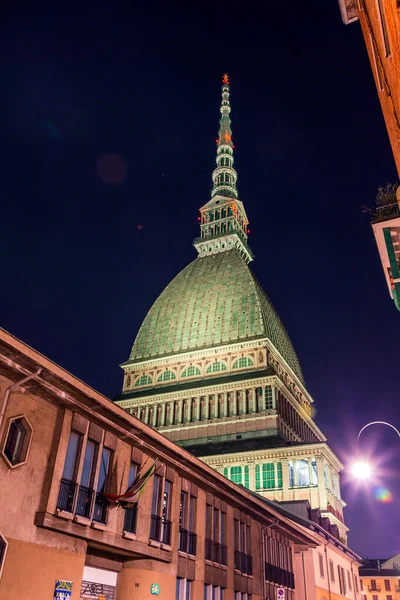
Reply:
x=361, y=469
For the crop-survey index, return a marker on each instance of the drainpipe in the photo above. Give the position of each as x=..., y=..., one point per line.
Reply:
x=11, y=388
x=328, y=577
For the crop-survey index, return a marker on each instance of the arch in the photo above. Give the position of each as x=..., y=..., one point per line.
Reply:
x=216, y=367
x=143, y=380
x=243, y=362
x=192, y=371
x=167, y=376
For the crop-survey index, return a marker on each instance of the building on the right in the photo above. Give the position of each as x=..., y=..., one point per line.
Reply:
x=380, y=25
x=380, y=579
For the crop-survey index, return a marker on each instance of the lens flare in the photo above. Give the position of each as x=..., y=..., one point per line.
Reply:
x=361, y=470
x=383, y=495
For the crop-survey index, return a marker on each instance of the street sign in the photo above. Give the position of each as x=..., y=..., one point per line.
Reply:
x=280, y=593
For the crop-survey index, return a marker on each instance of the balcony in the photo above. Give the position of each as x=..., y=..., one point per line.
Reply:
x=66, y=495
x=187, y=541
x=160, y=530
x=278, y=575
x=243, y=563
x=216, y=552
x=100, y=509
x=130, y=519
x=388, y=211
x=374, y=588
x=84, y=502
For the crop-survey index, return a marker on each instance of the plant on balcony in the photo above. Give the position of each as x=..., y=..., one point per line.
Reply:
x=387, y=194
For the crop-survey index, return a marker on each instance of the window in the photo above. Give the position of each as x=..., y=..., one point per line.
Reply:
x=130, y=514
x=167, y=376
x=215, y=548
x=373, y=584
x=278, y=561
x=17, y=441
x=242, y=545
x=3, y=550
x=356, y=583
x=302, y=473
x=216, y=367
x=213, y=592
x=326, y=477
x=387, y=585
x=314, y=474
x=236, y=474
x=143, y=380
x=385, y=33
x=100, y=505
x=85, y=492
x=66, y=494
x=342, y=581
x=160, y=525
x=332, y=571
x=389, y=597
x=191, y=372
x=183, y=589
x=374, y=596
x=361, y=585
x=269, y=397
x=349, y=580
x=321, y=564
x=268, y=475
x=242, y=362
x=187, y=524
x=242, y=596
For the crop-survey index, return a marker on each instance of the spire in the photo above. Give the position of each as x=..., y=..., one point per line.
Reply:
x=224, y=176
x=223, y=220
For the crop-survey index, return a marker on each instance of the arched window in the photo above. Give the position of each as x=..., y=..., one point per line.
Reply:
x=268, y=476
x=191, y=372
x=236, y=474
x=246, y=477
x=167, y=376
x=242, y=362
x=143, y=380
x=216, y=367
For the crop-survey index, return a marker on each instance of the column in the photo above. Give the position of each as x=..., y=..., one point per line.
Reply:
x=207, y=407
x=146, y=414
x=252, y=401
x=234, y=402
x=252, y=476
x=273, y=397
x=197, y=408
x=322, y=493
x=225, y=405
x=245, y=403
x=179, y=412
x=163, y=411
x=189, y=410
x=285, y=478
x=155, y=412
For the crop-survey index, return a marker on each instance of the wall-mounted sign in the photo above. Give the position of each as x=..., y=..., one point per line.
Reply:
x=62, y=590
x=97, y=591
x=280, y=593
x=154, y=589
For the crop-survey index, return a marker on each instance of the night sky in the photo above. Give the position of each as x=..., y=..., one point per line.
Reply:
x=89, y=240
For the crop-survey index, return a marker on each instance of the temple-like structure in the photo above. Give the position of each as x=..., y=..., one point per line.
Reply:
x=214, y=370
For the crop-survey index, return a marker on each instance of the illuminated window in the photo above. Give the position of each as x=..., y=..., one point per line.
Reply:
x=191, y=372
x=143, y=380
x=17, y=441
x=243, y=362
x=269, y=398
x=268, y=476
x=216, y=367
x=167, y=376
x=236, y=474
x=302, y=473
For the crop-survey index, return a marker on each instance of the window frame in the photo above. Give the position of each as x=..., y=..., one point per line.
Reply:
x=26, y=442
x=3, y=554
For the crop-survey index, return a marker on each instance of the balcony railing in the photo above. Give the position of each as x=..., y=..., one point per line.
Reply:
x=130, y=518
x=243, y=562
x=278, y=575
x=84, y=501
x=386, y=211
x=216, y=552
x=66, y=495
x=374, y=588
x=100, y=509
x=187, y=541
x=160, y=530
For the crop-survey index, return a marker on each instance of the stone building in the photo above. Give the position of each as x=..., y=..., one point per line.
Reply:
x=214, y=370
x=380, y=25
x=380, y=579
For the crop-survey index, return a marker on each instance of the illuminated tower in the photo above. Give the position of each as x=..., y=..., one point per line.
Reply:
x=213, y=368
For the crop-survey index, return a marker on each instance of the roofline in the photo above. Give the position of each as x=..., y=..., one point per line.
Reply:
x=76, y=393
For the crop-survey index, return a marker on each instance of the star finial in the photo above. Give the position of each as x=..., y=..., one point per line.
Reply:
x=225, y=79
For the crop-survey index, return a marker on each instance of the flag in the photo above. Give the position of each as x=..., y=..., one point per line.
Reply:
x=129, y=498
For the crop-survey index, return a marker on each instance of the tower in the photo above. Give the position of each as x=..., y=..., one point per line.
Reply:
x=213, y=368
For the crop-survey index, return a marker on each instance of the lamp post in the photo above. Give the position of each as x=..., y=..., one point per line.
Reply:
x=361, y=469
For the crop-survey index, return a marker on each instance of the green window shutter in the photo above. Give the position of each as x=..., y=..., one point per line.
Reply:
x=236, y=474
x=258, y=482
x=279, y=472
x=268, y=476
x=225, y=472
x=246, y=477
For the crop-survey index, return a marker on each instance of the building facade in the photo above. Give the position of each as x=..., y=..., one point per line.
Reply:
x=214, y=370
x=380, y=25
x=380, y=579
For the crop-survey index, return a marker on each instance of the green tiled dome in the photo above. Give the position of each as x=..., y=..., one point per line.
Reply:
x=215, y=300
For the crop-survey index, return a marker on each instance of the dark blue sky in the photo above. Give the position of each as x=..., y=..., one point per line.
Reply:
x=77, y=274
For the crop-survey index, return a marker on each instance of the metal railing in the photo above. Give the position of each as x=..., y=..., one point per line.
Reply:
x=66, y=495
x=84, y=501
x=160, y=529
x=374, y=588
x=187, y=541
x=216, y=552
x=243, y=562
x=100, y=509
x=278, y=575
x=130, y=519
x=386, y=211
